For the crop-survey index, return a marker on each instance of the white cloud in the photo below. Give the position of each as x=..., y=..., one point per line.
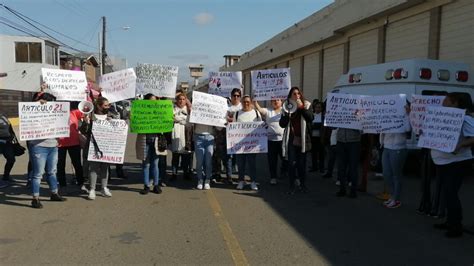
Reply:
x=203, y=18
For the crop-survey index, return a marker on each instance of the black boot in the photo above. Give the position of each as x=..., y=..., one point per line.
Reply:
x=57, y=197
x=36, y=203
x=145, y=190
x=157, y=190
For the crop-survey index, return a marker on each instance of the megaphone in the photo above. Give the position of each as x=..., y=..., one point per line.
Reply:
x=86, y=107
x=289, y=106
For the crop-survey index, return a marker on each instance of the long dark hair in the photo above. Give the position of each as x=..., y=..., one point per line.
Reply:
x=99, y=101
x=301, y=93
x=148, y=96
x=462, y=100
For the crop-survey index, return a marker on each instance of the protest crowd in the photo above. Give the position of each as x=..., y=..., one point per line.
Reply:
x=221, y=132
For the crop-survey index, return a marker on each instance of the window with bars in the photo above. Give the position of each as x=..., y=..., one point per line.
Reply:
x=28, y=52
x=51, y=55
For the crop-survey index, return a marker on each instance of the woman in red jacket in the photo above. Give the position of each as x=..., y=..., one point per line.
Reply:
x=72, y=146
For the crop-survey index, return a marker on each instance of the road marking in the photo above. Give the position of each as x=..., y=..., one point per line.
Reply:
x=236, y=252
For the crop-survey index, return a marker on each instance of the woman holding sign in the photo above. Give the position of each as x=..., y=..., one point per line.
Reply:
x=453, y=167
x=247, y=114
x=44, y=157
x=296, y=120
x=146, y=148
x=96, y=169
x=275, y=135
x=181, y=144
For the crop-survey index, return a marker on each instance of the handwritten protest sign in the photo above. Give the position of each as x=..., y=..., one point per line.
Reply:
x=342, y=110
x=208, y=109
x=151, y=116
x=66, y=85
x=247, y=137
x=441, y=128
x=111, y=139
x=222, y=83
x=119, y=85
x=157, y=79
x=271, y=83
x=418, y=106
x=383, y=114
x=43, y=121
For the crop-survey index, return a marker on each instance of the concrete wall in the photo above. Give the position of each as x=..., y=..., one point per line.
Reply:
x=350, y=33
x=22, y=79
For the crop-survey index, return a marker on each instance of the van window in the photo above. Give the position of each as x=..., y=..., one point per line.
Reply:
x=430, y=92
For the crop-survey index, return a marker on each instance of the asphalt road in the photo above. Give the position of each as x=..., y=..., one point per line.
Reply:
x=224, y=226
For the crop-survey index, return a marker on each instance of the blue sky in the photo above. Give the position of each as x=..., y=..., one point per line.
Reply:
x=172, y=32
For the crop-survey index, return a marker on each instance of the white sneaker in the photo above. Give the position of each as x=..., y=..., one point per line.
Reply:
x=273, y=181
x=241, y=185
x=207, y=185
x=253, y=186
x=84, y=189
x=91, y=194
x=106, y=192
x=387, y=202
x=338, y=183
x=199, y=186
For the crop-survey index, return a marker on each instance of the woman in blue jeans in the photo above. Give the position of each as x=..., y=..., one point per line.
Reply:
x=44, y=157
x=203, y=148
x=147, y=151
x=393, y=159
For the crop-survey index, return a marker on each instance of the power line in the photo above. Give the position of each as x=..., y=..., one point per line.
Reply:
x=24, y=18
x=18, y=25
x=69, y=8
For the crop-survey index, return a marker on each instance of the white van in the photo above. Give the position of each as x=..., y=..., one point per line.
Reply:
x=413, y=76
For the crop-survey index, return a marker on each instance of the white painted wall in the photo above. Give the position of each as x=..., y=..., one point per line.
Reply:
x=15, y=79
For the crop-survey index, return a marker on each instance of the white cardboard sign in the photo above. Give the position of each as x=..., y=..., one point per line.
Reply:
x=418, y=106
x=383, y=114
x=119, y=85
x=271, y=84
x=43, y=121
x=111, y=139
x=247, y=137
x=222, y=83
x=157, y=79
x=208, y=109
x=66, y=85
x=342, y=111
x=441, y=128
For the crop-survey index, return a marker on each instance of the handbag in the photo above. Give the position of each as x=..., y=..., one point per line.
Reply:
x=18, y=150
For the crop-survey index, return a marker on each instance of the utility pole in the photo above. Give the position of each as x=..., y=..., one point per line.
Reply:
x=104, y=54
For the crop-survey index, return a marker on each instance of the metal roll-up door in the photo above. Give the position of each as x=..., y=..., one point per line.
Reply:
x=363, y=49
x=333, y=67
x=282, y=64
x=247, y=83
x=408, y=38
x=457, y=32
x=295, y=72
x=311, y=76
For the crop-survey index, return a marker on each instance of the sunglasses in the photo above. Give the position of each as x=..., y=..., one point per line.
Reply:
x=236, y=95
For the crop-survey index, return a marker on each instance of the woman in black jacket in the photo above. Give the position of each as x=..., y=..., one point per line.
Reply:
x=296, y=137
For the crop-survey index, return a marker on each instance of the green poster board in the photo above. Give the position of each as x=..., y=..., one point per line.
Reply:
x=151, y=116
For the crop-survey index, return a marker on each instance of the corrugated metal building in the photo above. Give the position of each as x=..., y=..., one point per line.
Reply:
x=350, y=33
